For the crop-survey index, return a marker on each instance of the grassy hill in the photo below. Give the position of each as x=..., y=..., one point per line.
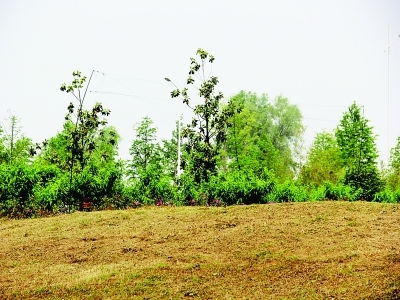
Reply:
x=323, y=250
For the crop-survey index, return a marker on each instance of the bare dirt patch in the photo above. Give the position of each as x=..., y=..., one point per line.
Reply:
x=323, y=250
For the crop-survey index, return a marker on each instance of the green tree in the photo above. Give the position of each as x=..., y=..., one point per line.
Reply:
x=56, y=151
x=145, y=151
x=264, y=134
x=358, y=153
x=15, y=146
x=84, y=127
x=393, y=176
x=323, y=161
x=207, y=132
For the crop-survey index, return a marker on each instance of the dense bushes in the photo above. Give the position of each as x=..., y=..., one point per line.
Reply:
x=28, y=190
x=239, y=188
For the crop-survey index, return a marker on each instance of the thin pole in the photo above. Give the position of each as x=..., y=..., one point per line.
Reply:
x=388, y=50
x=178, y=167
x=361, y=140
x=388, y=141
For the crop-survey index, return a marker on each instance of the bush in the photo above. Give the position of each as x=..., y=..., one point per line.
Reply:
x=387, y=196
x=288, y=191
x=239, y=188
x=316, y=193
x=16, y=188
x=339, y=192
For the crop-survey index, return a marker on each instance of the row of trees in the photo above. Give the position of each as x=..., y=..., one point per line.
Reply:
x=247, y=149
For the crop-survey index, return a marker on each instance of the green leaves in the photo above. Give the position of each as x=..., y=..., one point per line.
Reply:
x=262, y=134
x=190, y=80
x=323, y=162
x=145, y=150
x=175, y=93
x=77, y=83
x=207, y=131
x=358, y=153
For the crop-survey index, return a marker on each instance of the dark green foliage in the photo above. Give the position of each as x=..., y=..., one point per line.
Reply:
x=235, y=187
x=16, y=187
x=207, y=132
x=358, y=153
x=83, y=138
x=84, y=142
x=239, y=187
x=47, y=194
x=244, y=151
x=27, y=187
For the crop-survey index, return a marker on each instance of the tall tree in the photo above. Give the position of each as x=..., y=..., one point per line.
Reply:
x=358, y=153
x=323, y=161
x=207, y=132
x=265, y=134
x=84, y=126
x=145, y=151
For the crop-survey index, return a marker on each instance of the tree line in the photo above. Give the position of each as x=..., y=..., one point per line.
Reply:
x=242, y=150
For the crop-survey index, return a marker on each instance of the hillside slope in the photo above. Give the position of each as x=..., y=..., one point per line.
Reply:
x=323, y=250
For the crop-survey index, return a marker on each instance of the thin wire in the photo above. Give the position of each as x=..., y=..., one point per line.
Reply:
x=83, y=99
x=319, y=120
x=109, y=74
x=316, y=104
x=152, y=99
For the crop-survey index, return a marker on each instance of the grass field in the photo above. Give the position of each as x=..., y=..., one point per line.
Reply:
x=323, y=250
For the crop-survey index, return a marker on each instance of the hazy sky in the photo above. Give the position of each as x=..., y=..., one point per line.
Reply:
x=322, y=55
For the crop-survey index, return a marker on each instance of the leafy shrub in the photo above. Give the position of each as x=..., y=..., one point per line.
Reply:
x=16, y=188
x=387, y=196
x=239, y=188
x=149, y=193
x=288, y=191
x=339, y=192
x=188, y=190
x=316, y=193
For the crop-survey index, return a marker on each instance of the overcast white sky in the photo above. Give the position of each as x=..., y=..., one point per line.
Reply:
x=322, y=55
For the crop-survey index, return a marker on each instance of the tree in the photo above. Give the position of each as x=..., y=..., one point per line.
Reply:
x=207, y=132
x=56, y=151
x=15, y=146
x=264, y=134
x=323, y=161
x=393, y=177
x=358, y=153
x=84, y=127
x=145, y=151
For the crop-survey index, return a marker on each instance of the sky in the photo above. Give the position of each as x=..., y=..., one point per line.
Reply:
x=321, y=55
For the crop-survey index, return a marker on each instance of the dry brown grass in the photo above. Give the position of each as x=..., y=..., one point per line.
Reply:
x=324, y=250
